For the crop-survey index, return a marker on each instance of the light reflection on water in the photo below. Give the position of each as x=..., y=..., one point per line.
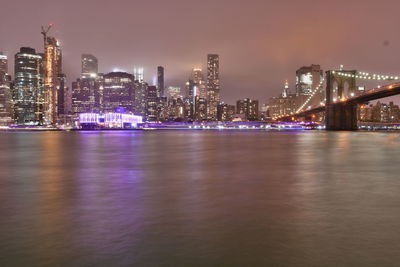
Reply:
x=182, y=198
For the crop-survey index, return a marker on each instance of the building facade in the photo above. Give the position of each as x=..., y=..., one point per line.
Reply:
x=118, y=92
x=5, y=92
x=213, y=85
x=52, y=70
x=90, y=67
x=28, y=91
x=160, y=81
x=249, y=108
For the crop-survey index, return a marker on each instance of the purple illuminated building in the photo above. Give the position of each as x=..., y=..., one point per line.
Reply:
x=109, y=120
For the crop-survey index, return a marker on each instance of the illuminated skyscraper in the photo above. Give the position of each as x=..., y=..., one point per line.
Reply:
x=248, y=107
x=200, y=109
x=89, y=66
x=139, y=74
x=198, y=79
x=5, y=92
x=174, y=92
x=27, y=92
x=86, y=95
x=3, y=63
x=118, y=92
x=151, y=103
x=160, y=81
x=52, y=70
x=307, y=79
x=213, y=85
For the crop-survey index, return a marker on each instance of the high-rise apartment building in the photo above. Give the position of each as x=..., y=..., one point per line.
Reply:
x=52, y=69
x=151, y=103
x=160, y=81
x=27, y=93
x=225, y=112
x=213, y=85
x=5, y=92
x=90, y=66
x=248, y=107
x=86, y=95
x=198, y=80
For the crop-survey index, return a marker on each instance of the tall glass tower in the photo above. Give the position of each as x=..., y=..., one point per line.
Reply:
x=213, y=85
x=27, y=93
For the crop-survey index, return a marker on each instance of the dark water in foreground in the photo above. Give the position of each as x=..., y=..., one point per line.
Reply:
x=181, y=198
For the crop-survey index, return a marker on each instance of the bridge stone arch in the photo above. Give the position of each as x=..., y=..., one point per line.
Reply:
x=333, y=77
x=340, y=116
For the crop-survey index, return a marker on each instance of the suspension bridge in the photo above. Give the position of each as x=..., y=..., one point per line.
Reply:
x=342, y=98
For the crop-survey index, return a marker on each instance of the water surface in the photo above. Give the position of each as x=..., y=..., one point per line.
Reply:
x=199, y=198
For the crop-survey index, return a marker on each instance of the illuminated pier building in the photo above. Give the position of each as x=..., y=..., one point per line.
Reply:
x=28, y=92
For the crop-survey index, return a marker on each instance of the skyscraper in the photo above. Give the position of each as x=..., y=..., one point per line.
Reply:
x=213, y=85
x=198, y=79
x=139, y=74
x=28, y=87
x=5, y=92
x=248, y=107
x=87, y=94
x=3, y=63
x=160, y=81
x=118, y=92
x=89, y=66
x=309, y=79
x=52, y=70
x=151, y=103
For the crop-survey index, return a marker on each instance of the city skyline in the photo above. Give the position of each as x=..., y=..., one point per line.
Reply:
x=273, y=41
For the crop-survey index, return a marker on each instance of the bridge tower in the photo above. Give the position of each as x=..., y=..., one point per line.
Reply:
x=339, y=114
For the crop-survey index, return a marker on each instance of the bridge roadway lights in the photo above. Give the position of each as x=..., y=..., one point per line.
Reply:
x=341, y=117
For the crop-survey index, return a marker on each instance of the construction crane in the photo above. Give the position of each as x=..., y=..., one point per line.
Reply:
x=44, y=32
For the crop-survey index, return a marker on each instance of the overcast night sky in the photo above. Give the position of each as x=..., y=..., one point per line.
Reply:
x=261, y=43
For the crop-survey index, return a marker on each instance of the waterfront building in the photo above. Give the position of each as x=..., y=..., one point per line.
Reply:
x=160, y=81
x=109, y=120
x=5, y=93
x=248, y=107
x=90, y=66
x=213, y=85
x=52, y=69
x=285, y=104
x=225, y=112
x=151, y=104
x=200, y=109
x=27, y=92
x=61, y=89
x=140, y=97
x=118, y=92
x=86, y=95
x=197, y=78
